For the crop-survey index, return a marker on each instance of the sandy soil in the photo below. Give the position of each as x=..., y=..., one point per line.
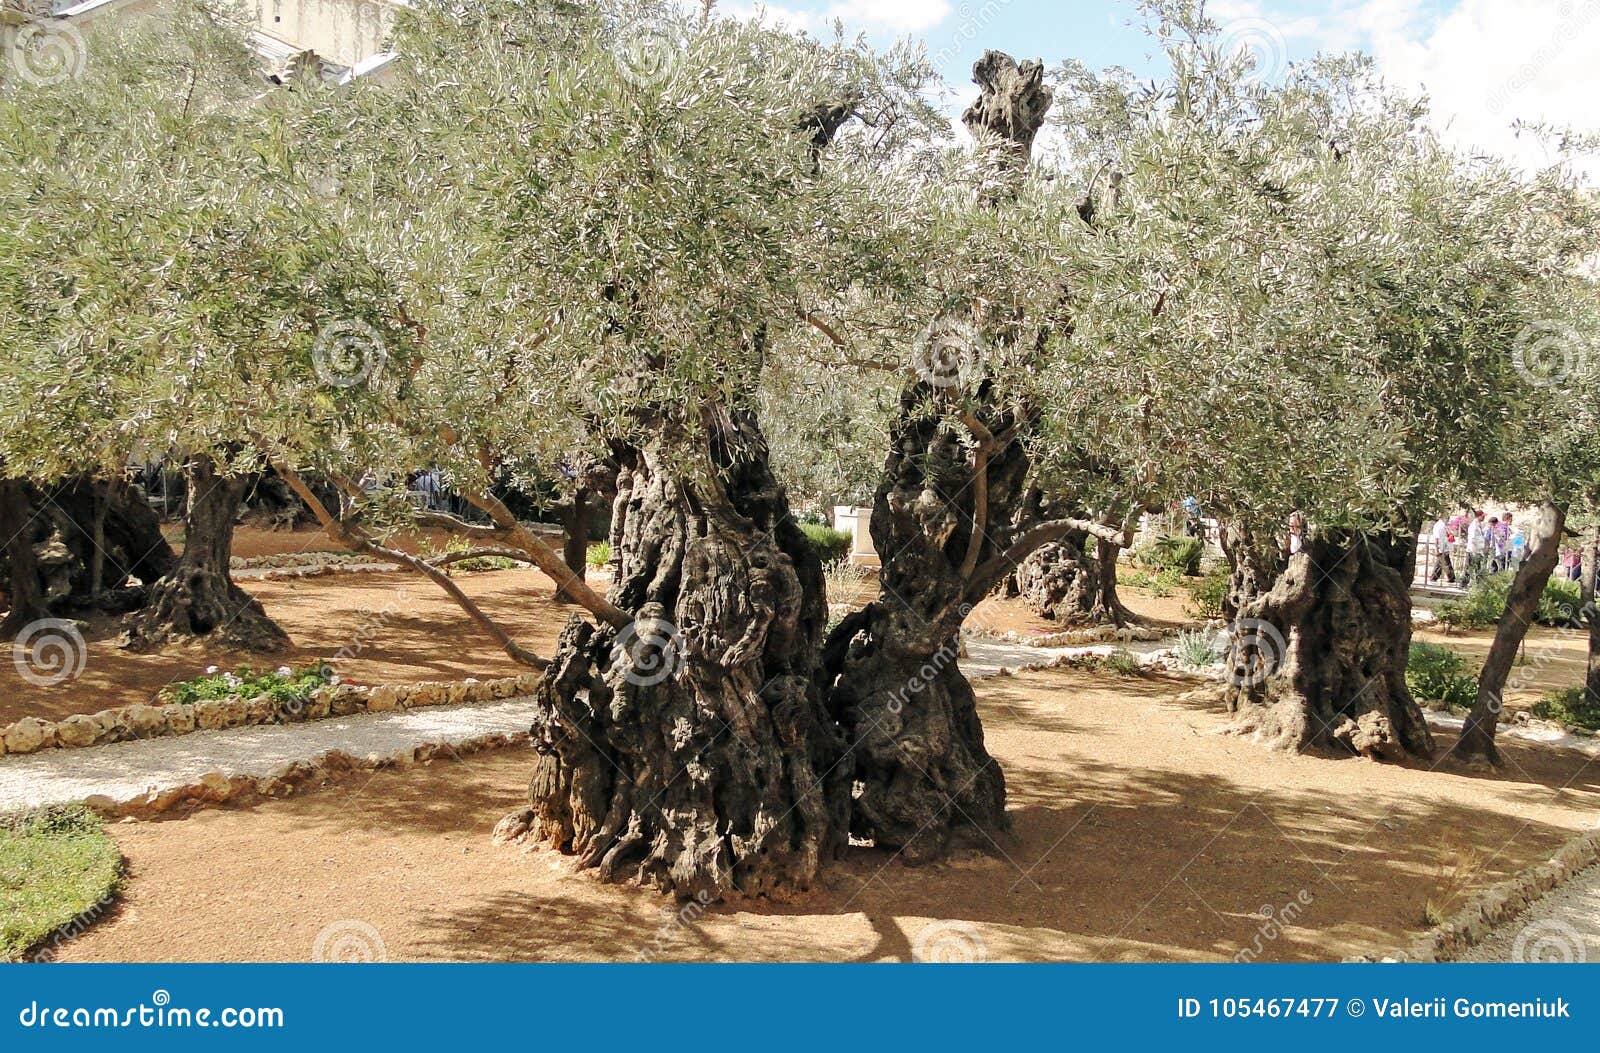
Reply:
x=1551, y=659
x=399, y=626
x=1139, y=835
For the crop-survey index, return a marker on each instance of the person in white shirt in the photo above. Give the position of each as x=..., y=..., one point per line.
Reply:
x=1443, y=567
x=1477, y=549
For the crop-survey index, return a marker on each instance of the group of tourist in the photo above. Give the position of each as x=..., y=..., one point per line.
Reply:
x=1469, y=545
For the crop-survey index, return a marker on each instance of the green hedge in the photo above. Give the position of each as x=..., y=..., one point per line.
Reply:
x=1485, y=602
x=1172, y=552
x=829, y=544
x=1437, y=674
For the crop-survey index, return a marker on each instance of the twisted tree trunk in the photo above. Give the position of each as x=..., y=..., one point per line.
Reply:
x=198, y=598
x=1476, y=744
x=1254, y=562
x=942, y=519
x=1063, y=582
x=690, y=750
x=1319, y=661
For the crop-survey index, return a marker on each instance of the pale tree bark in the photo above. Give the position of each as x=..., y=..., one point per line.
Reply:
x=1319, y=660
x=1477, y=742
x=1591, y=617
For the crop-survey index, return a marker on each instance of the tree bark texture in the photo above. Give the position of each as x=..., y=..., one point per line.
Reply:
x=1319, y=660
x=198, y=598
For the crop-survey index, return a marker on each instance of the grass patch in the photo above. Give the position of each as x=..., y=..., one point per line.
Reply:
x=599, y=555
x=58, y=871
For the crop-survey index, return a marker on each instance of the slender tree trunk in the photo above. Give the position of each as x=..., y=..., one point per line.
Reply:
x=691, y=751
x=576, y=518
x=22, y=585
x=1477, y=744
x=199, y=598
x=1591, y=616
x=1319, y=661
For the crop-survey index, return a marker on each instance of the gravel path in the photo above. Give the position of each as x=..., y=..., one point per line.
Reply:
x=1563, y=926
x=125, y=770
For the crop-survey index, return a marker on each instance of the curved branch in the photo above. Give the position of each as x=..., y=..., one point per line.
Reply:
x=449, y=558
x=354, y=537
x=1036, y=538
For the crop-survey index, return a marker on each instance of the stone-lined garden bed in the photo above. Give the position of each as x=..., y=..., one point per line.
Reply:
x=1078, y=637
x=127, y=723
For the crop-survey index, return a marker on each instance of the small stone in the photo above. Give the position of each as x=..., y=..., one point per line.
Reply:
x=100, y=804
x=146, y=722
x=384, y=699
x=180, y=718
x=217, y=786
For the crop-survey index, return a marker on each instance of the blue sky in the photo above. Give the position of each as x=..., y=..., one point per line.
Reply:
x=1484, y=63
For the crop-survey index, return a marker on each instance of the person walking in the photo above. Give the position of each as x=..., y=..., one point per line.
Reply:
x=1477, y=549
x=1499, y=545
x=1442, y=548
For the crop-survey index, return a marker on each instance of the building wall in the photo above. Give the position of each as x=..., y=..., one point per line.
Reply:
x=341, y=31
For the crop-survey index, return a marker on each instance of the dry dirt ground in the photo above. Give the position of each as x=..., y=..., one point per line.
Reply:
x=399, y=626
x=1140, y=834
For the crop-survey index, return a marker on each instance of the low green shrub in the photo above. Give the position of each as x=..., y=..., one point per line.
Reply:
x=599, y=554
x=283, y=685
x=1197, y=648
x=1485, y=602
x=58, y=872
x=1124, y=663
x=829, y=544
x=1573, y=706
x=1172, y=552
x=1437, y=674
x=1208, y=593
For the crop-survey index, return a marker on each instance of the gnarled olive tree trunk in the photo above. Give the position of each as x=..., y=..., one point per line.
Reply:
x=1319, y=660
x=198, y=597
x=1476, y=744
x=944, y=512
x=1255, y=560
x=691, y=750
x=1074, y=581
